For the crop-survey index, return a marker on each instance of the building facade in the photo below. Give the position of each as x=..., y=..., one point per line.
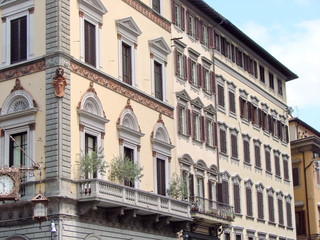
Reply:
x=170, y=85
x=306, y=178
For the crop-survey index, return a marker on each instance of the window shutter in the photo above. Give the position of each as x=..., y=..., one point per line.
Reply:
x=241, y=101
x=202, y=129
x=188, y=122
x=191, y=185
x=185, y=67
x=249, y=200
x=260, y=205
x=236, y=198
x=215, y=133
x=213, y=82
x=271, y=124
x=281, y=132
x=183, y=23
x=210, y=190
x=260, y=117
x=197, y=28
x=18, y=39
x=90, y=43
x=219, y=193
x=188, y=23
x=199, y=75
x=179, y=119
x=271, y=208
x=176, y=62
x=289, y=214
x=295, y=176
x=279, y=128
x=249, y=106
x=189, y=70
x=225, y=192
x=173, y=12
x=201, y=31
x=210, y=37
x=287, y=134
x=257, y=155
x=205, y=128
x=193, y=135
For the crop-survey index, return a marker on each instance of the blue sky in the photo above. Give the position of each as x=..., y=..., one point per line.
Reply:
x=290, y=31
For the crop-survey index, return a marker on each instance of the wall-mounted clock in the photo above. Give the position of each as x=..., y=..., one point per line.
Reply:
x=9, y=184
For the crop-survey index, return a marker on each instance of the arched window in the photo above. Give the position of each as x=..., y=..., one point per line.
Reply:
x=92, y=122
x=17, y=119
x=161, y=147
x=17, y=237
x=93, y=237
x=129, y=137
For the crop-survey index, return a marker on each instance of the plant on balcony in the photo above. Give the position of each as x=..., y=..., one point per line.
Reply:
x=91, y=163
x=178, y=188
x=123, y=169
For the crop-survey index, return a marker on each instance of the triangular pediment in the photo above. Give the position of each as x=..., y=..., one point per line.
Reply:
x=183, y=95
x=197, y=103
x=94, y=5
x=210, y=109
x=129, y=25
x=161, y=45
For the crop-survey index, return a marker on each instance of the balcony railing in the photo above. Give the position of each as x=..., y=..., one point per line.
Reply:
x=112, y=194
x=211, y=208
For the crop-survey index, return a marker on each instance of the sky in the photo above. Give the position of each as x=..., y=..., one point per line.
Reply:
x=290, y=31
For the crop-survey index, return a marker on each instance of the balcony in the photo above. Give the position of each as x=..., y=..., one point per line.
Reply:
x=211, y=211
x=93, y=193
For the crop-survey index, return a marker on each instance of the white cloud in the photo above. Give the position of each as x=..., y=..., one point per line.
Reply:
x=300, y=52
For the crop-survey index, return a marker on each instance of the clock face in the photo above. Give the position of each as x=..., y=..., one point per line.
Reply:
x=6, y=185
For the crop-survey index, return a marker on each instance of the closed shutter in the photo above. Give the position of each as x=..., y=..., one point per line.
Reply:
x=234, y=146
x=285, y=169
x=215, y=133
x=210, y=37
x=90, y=43
x=236, y=198
x=183, y=22
x=289, y=214
x=173, y=11
x=232, y=104
x=277, y=165
x=268, y=162
x=287, y=134
x=271, y=208
x=225, y=192
x=219, y=193
x=189, y=71
x=199, y=75
x=201, y=31
x=220, y=95
x=295, y=176
x=202, y=129
x=260, y=205
x=210, y=190
x=270, y=124
x=191, y=186
x=280, y=211
x=213, y=82
x=246, y=151
x=185, y=67
x=161, y=175
x=189, y=129
x=178, y=109
x=249, y=106
x=249, y=201
x=18, y=40
x=257, y=155
x=176, y=62
x=188, y=23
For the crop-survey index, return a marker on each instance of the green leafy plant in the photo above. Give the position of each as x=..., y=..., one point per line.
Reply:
x=178, y=188
x=123, y=169
x=92, y=163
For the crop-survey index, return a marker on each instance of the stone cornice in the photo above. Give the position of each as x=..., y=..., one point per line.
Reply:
x=121, y=88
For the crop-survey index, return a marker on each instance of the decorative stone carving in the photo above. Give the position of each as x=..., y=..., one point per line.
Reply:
x=59, y=83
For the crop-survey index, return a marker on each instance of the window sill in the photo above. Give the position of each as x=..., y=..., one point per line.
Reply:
x=247, y=164
x=281, y=225
x=258, y=168
x=256, y=127
x=266, y=133
x=224, y=154
x=272, y=223
x=250, y=217
x=269, y=173
x=194, y=87
x=197, y=142
x=238, y=215
x=278, y=177
x=233, y=115
x=211, y=147
x=222, y=109
x=181, y=79
x=290, y=228
x=245, y=121
x=261, y=220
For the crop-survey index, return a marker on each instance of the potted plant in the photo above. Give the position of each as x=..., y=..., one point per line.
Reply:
x=125, y=170
x=91, y=163
x=178, y=188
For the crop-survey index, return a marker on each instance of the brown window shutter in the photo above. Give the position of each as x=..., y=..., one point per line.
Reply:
x=188, y=22
x=249, y=201
x=173, y=12
x=225, y=192
x=249, y=106
x=289, y=214
x=287, y=134
x=236, y=198
x=257, y=155
x=199, y=75
x=90, y=43
x=197, y=28
x=191, y=185
x=241, y=101
x=200, y=31
x=295, y=176
x=213, y=82
x=202, y=129
x=215, y=133
x=189, y=70
x=260, y=117
x=183, y=23
x=185, y=67
x=176, y=61
x=18, y=40
x=285, y=170
x=210, y=190
x=189, y=122
x=210, y=37
x=279, y=128
x=219, y=196
x=178, y=109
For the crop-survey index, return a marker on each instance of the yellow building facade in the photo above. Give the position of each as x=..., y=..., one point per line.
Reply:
x=306, y=178
x=172, y=87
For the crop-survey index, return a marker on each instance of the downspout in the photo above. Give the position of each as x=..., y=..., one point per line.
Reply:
x=306, y=190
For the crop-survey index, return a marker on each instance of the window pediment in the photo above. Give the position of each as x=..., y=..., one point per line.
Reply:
x=183, y=95
x=128, y=27
x=96, y=7
x=210, y=109
x=197, y=102
x=160, y=48
x=160, y=140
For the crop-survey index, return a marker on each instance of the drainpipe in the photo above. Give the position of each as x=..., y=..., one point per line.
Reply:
x=306, y=190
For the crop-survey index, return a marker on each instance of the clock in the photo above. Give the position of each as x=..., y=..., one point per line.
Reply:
x=9, y=184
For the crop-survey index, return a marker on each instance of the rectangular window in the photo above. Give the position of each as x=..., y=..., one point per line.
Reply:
x=191, y=25
x=295, y=176
x=217, y=41
x=178, y=16
x=158, y=82
x=18, y=146
x=234, y=146
x=280, y=91
x=18, y=39
x=236, y=198
x=277, y=166
x=300, y=223
x=271, y=208
x=90, y=43
x=126, y=64
x=232, y=102
x=129, y=154
x=260, y=205
x=246, y=151
x=207, y=81
x=257, y=156
x=243, y=108
x=286, y=169
x=271, y=81
x=156, y=5
x=268, y=161
x=196, y=126
x=161, y=177
x=194, y=73
x=261, y=71
x=221, y=96
x=90, y=147
x=249, y=202
x=209, y=127
x=223, y=141
x=289, y=215
x=280, y=211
